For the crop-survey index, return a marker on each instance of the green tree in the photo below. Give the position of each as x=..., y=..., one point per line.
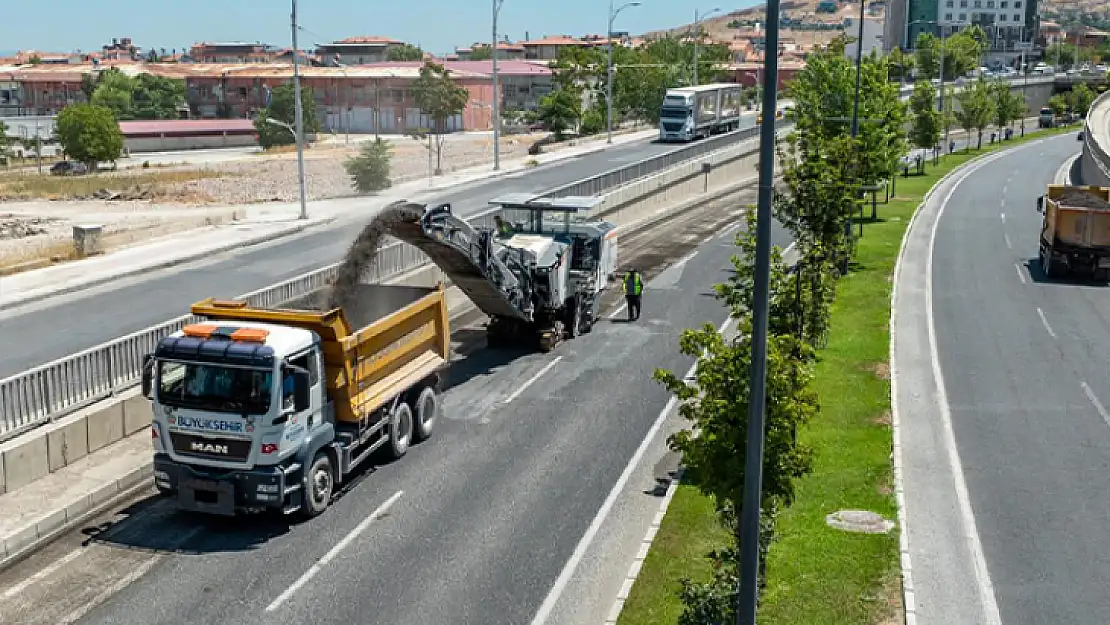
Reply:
x=440, y=98
x=901, y=64
x=1059, y=104
x=593, y=120
x=560, y=111
x=90, y=134
x=481, y=53
x=1008, y=105
x=114, y=90
x=369, y=171
x=1080, y=99
x=925, y=129
x=882, y=135
x=35, y=60
x=282, y=109
x=962, y=52
x=405, y=52
x=977, y=108
x=157, y=97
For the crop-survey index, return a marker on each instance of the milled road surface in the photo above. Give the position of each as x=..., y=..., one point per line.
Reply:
x=482, y=518
x=70, y=323
x=1026, y=365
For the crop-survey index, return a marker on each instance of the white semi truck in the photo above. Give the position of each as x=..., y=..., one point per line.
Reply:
x=691, y=113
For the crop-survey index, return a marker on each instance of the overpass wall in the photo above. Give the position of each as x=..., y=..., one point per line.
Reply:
x=1094, y=164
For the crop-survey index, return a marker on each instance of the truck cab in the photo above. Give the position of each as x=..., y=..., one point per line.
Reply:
x=676, y=118
x=234, y=396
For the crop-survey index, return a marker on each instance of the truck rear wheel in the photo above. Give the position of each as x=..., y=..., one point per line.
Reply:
x=400, y=430
x=427, y=407
x=319, y=486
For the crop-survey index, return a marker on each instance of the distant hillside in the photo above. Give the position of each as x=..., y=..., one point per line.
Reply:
x=727, y=27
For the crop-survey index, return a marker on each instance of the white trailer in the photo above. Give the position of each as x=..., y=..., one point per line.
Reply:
x=691, y=113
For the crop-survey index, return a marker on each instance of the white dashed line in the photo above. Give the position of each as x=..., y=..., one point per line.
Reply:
x=1003, y=216
x=532, y=380
x=1044, y=321
x=1008, y=244
x=1021, y=274
x=1095, y=402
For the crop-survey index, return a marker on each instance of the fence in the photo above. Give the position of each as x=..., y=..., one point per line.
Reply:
x=56, y=389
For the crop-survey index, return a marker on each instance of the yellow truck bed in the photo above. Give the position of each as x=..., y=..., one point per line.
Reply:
x=388, y=340
x=1077, y=216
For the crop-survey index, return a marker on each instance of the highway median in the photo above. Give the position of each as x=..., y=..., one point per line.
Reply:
x=814, y=572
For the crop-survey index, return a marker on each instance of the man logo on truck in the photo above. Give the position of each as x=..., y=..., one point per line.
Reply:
x=208, y=448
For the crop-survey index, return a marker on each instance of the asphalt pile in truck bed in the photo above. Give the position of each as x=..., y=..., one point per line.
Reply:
x=363, y=252
x=1082, y=199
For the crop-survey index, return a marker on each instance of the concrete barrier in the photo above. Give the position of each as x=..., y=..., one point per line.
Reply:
x=1094, y=165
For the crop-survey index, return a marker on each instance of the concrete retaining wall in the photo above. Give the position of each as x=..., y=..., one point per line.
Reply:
x=1094, y=165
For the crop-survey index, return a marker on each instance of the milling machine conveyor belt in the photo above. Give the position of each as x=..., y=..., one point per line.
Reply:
x=464, y=254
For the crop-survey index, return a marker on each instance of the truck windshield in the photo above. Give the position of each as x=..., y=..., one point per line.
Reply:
x=674, y=112
x=215, y=388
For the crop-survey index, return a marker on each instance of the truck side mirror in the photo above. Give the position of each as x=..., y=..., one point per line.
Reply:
x=1040, y=204
x=148, y=376
x=301, y=399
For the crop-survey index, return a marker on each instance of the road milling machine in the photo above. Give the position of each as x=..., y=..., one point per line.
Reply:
x=540, y=275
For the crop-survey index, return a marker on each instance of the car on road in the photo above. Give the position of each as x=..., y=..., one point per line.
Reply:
x=68, y=168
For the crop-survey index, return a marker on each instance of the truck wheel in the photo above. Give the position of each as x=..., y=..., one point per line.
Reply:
x=400, y=430
x=427, y=408
x=319, y=484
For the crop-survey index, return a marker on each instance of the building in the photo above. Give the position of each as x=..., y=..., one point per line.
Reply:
x=121, y=49
x=751, y=74
x=232, y=52
x=548, y=48
x=894, y=25
x=505, y=50
x=1006, y=22
x=872, y=36
x=193, y=134
x=357, y=50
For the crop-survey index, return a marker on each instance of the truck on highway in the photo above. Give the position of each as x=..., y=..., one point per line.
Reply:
x=691, y=113
x=269, y=409
x=1046, y=118
x=1075, y=231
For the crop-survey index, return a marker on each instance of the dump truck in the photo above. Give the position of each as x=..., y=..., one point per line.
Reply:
x=691, y=113
x=269, y=409
x=1046, y=118
x=1075, y=231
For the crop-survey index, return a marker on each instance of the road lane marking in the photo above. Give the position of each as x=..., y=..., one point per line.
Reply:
x=532, y=380
x=560, y=585
x=1044, y=322
x=974, y=544
x=685, y=259
x=1003, y=215
x=1095, y=402
x=729, y=232
x=42, y=574
x=1008, y=244
x=125, y=581
x=330, y=555
x=1021, y=274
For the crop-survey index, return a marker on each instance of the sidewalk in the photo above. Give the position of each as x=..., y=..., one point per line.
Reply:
x=258, y=223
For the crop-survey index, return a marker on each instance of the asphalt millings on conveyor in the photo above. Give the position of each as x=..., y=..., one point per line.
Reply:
x=363, y=252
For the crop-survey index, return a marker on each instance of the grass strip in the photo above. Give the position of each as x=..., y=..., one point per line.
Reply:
x=816, y=574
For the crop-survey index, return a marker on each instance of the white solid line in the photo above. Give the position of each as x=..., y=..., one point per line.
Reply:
x=728, y=232
x=620, y=309
x=1008, y=244
x=963, y=498
x=685, y=259
x=1021, y=274
x=583, y=545
x=1094, y=401
x=1044, y=321
x=44, y=572
x=532, y=380
x=330, y=555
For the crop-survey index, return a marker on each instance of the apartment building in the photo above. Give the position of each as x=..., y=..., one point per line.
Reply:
x=505, y=50
x=362, y=50
x=1006, y=22
x=232, y=52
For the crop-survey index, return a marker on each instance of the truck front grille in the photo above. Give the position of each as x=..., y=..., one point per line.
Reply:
x=673, y=126
x=227, y=449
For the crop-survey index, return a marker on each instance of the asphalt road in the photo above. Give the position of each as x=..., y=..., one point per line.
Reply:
x=133, y=304
x=483, y=516
x=1027, y=371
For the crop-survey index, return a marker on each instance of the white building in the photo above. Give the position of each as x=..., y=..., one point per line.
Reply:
x=872, y=36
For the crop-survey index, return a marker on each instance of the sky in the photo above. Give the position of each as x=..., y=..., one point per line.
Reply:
x=438, y=26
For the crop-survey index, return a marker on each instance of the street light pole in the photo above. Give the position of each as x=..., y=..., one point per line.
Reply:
x=609, y=67
x=750, y=513
x=697, y=37
x=496, y=109
x=298, y=116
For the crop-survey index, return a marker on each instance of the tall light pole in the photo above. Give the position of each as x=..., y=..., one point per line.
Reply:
x=609, y=66
x=496, y=111
x=298, y=116
x=697, y=36
x=750, y=509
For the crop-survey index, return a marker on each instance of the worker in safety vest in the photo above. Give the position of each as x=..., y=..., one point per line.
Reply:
x=633, y=292
x=503, y=229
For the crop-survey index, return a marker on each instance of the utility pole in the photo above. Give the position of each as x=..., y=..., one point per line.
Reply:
x=609, y=67
x=496, y=109
x=750, y=513
x=298, y=116
x=698, y=17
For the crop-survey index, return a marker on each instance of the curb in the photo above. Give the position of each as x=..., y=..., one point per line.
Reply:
x=133, y=271
x=909, y=605
x=642, y=553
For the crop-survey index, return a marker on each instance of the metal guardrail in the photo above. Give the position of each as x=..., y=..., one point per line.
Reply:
x=59, y=388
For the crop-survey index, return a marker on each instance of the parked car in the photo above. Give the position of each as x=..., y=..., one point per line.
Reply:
x=68, y=168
